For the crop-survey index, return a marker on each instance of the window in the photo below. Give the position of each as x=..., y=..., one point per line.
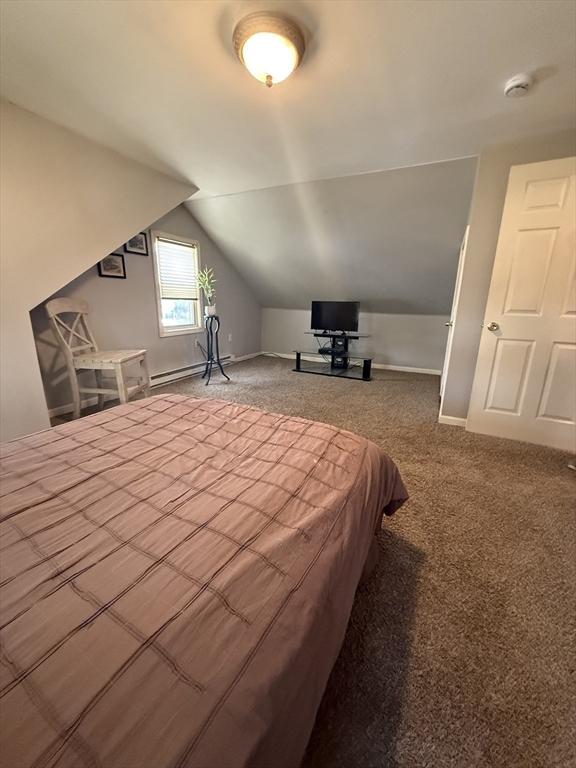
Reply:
x=176, y=270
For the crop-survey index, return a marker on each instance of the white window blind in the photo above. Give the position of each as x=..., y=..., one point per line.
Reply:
x=176, y=273
x=177, y=269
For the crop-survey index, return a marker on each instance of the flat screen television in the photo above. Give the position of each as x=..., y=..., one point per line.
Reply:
x=335, y=315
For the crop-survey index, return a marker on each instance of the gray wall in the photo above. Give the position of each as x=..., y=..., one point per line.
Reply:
x=124, y=312
x=410, y=341
x=388, y=239
x=485, y=214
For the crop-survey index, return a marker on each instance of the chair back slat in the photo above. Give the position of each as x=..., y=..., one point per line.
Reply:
x=68, y=320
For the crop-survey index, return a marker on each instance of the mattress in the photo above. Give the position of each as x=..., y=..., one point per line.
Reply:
x=177, y=576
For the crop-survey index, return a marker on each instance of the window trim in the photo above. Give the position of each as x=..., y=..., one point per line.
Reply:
x=181, y=330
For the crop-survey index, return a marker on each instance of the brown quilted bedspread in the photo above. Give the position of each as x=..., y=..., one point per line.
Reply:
x=177, y=575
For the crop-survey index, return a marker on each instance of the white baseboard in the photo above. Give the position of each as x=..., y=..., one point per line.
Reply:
x=407, y=369
x=378, y=366
x=285, y=356
x=453, y=421
x=241, y=358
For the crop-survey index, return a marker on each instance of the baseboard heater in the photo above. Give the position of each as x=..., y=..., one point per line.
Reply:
x=181, y=373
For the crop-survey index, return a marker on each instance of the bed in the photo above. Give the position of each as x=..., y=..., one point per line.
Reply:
x=177, y=576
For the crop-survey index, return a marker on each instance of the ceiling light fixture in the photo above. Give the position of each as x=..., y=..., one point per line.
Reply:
x=269, y=45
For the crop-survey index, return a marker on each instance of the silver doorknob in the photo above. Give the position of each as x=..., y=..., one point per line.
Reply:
x=449, y=324
x=493, y=327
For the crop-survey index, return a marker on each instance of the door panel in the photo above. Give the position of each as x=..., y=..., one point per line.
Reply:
x=569, y=306
x=546, y=193
x=529, y=271
x=525, y=381
x=509, y=372
x=559, y=393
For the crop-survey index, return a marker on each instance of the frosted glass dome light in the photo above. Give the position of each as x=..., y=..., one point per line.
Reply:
x=269, y=45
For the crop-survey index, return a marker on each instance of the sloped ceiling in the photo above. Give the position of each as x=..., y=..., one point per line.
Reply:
x=389, y=240
x=384, y=83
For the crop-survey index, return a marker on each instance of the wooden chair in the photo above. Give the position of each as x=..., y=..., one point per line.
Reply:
x=68, y=320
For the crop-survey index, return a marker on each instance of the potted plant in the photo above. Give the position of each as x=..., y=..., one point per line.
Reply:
x=206, y=282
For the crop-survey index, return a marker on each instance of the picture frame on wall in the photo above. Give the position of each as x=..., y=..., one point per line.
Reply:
x=113, y=266
x=137, y=244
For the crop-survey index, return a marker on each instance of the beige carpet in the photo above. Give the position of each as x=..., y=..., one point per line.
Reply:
x=461, y=650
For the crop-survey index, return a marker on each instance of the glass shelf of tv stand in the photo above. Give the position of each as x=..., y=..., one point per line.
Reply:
x=358, y=368
x=328, y=334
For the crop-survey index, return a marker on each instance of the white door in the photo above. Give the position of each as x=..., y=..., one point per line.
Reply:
x=525, y=382
x=450, y=323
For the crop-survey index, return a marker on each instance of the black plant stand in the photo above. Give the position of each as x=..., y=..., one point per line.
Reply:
x=212, y=325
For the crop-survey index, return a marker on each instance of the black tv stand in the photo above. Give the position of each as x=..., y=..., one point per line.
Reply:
x=340, y=357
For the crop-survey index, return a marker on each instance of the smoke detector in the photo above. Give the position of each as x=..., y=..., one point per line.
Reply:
x=519, y=85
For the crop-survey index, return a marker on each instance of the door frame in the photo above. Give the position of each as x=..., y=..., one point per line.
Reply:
x=451, y=325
